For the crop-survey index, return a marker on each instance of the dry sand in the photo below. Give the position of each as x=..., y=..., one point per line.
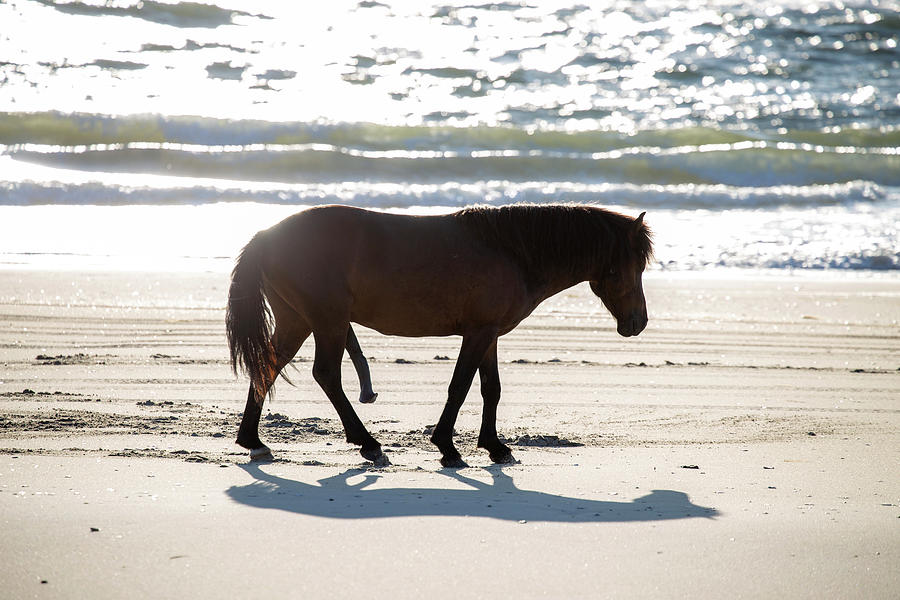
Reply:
x=746, y=445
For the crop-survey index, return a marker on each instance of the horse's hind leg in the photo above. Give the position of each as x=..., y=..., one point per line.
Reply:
x=490, y=392
x=366, y=394
x=290, y=333
x=327, y=373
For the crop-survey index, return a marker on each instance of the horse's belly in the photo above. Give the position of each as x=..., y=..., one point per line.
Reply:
x=408, y=321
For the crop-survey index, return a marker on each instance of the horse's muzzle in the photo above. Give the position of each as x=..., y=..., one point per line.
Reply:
x=632, y=325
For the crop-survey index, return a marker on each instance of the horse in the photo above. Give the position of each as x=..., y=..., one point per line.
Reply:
x=475, y=273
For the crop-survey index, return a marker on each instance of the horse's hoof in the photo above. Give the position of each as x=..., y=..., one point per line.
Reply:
x=368, y=399
x=382, y=461
x=261, y=454
x=451, y=462
x=504, y=458
x=374, y=454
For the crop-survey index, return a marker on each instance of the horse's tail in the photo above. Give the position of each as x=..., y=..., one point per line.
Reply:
x=248, y=320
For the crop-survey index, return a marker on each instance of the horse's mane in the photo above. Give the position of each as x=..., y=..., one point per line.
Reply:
x=550, y=239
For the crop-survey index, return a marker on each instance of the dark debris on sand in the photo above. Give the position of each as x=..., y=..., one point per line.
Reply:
x=544, y=441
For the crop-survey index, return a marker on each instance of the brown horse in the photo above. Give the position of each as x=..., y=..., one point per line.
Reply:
x=475, y=273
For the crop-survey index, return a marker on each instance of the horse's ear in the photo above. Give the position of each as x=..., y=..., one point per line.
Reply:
x=636, y=226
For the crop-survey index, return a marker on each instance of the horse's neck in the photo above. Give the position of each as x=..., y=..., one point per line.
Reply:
x=556, y=285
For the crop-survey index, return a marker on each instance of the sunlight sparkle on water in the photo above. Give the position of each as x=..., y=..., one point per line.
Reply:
x=405, y=63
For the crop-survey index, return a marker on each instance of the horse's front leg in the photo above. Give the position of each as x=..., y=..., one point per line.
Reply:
x=471, y=355
x=327, y=373
x=490, y=393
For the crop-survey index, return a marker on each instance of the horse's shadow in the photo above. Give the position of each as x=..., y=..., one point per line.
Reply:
x=338, y=498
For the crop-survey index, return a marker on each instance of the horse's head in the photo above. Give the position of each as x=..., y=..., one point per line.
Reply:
x=619, y=286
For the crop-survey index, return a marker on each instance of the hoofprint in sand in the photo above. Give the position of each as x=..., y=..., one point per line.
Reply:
x=746, y=443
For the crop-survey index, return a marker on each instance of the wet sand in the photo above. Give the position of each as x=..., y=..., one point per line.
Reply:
x=746, y=444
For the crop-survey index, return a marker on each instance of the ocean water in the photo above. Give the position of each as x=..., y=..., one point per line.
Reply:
x=145, y=134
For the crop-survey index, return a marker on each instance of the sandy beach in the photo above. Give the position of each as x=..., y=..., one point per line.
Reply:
x=747, y=445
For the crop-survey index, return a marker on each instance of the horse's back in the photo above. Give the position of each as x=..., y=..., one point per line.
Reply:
x=345, y=239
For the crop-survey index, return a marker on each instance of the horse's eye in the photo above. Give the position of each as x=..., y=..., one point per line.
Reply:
x=612, y=271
